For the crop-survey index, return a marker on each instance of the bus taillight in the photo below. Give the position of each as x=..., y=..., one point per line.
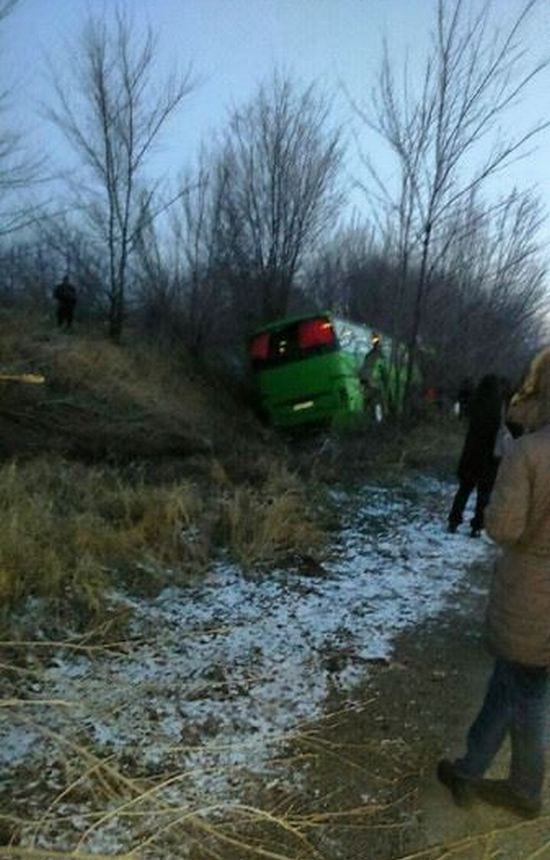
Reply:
x=317, y=332
x=259, y=347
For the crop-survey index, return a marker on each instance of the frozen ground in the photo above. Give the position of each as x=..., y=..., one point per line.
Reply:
x=220, y=674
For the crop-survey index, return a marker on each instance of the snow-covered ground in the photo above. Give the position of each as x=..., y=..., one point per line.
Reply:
x=219, y=674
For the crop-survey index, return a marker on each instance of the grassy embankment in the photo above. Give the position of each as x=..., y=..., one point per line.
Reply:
x=129, y=467
x=128, y=464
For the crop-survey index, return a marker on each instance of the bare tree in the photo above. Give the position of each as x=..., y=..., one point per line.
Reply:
x=200, y=235
x=279, y=168
x=337, y=276
x=489, y=304
x=487, y=300
x=447, y=138
x=182, y=290
x=112, y=121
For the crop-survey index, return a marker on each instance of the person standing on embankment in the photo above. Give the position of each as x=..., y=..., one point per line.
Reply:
x=65, y=296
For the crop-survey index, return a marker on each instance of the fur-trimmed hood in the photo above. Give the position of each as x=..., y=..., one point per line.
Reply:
x=530, y=405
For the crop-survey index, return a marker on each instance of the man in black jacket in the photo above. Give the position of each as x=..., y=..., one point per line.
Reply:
x=65, y=296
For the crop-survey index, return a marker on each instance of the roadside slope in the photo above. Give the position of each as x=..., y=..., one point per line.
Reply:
x=103, y=400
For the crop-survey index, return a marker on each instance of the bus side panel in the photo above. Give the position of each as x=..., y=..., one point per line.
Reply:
x=312, y=390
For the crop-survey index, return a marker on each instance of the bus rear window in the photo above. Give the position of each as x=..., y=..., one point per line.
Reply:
x=312, y=333
x=259, y=347
x=292, y=342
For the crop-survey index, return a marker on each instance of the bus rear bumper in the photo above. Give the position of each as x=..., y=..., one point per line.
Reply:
x=322, y=409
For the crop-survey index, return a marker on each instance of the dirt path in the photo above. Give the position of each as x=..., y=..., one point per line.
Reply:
x=412, y=711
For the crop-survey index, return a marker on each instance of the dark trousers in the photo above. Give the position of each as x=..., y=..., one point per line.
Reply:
x=515, y=704
x=483, y=489
x=65, y=313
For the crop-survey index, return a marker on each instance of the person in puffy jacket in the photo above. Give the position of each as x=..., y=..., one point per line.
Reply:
x=518, y=615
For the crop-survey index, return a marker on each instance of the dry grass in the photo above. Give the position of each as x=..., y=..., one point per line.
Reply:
x=64, y=526
x=66, y=529
x=153, y=817
x=103, y=400
x=96, y=804
x=267, y=524
x=128, y=378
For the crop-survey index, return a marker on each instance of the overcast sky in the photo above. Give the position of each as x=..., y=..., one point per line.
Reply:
x=234, y=44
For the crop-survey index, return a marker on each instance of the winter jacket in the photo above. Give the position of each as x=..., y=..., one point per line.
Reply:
x=477, y=461
x=518, y=519
x=65, y=294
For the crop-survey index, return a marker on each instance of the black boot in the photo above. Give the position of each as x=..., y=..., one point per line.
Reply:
x=461, y=786
x=499, y=792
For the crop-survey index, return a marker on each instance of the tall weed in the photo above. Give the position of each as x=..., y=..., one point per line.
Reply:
x=65, y=528
x=266, y=524
x=71, y=532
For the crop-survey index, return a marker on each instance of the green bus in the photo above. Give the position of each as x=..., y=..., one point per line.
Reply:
x=308, y=370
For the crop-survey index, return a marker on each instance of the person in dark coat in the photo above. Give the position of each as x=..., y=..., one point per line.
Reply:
x=477, y=468
x=65, y=296
x=464, y=398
